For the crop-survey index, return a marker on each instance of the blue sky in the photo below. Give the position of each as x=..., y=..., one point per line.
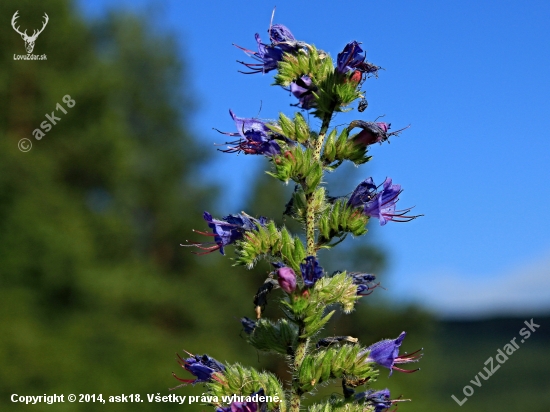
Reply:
x=472, y=79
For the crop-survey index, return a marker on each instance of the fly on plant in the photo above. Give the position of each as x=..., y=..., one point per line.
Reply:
x=363, y=104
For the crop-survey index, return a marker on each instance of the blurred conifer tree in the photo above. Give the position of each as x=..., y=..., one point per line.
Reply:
x=96, y=294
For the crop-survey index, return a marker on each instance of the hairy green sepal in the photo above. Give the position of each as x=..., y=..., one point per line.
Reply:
x=271, y=243
x=297, y=129
x=339, y=220
x=334, y=363
x=342, y=148
x=299, y=165
x=314, y=63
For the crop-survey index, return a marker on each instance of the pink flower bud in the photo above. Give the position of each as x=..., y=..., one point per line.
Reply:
x=286, y=279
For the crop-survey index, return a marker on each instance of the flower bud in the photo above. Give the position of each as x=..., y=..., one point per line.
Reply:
x=356, y=76
x=286, y=279
x=373, y=132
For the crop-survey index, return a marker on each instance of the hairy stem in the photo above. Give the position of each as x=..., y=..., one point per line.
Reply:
x=310, y=212
x=299, y=355
x=301, y=348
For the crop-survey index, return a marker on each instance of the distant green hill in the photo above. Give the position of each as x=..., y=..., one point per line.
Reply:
x=522, y=383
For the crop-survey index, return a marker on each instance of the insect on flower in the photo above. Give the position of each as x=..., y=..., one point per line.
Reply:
x=363, y=104
x=380, y=203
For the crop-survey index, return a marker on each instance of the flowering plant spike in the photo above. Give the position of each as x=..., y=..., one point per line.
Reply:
x=310, y=296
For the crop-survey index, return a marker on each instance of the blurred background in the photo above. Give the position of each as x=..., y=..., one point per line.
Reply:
x=96, y=294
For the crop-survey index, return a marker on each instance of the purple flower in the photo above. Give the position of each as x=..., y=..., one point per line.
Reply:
x=379, y=399
x=349, y=58
x=279, y=33
x=248, y=325
x=303, y=90
x=353, y=58
x=251, y=404
x=255, y=137
x=227, y=231
x=286, y=279
x=373, y=132
x=385, y=353
x=240, y=407
x=268, y=57
x=363, y=193
x=379, y=204
x=203, y=367
x=365, y=282
x=282, y=37
x=382, y=205
x=311, y=271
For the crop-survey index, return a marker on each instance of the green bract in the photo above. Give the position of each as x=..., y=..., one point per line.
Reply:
x=271, y=243
x=297, y=129
x=299, y=165
x=343, y=148
x=238, y=380
x=338, y=221
x=334, y=363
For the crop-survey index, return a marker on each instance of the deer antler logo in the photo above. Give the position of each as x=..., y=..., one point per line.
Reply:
x=29, y=40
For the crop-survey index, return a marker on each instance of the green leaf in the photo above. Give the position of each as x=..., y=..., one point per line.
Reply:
x=279, y=337
x=315, y=323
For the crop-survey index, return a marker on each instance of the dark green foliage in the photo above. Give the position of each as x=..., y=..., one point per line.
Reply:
x=96, y=293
